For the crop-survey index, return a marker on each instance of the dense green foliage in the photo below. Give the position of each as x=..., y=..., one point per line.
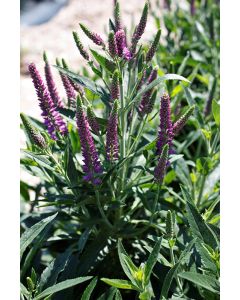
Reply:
x=129, y=237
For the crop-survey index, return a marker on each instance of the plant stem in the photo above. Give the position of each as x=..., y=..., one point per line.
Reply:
x=140, y=130
x=155, y=203
x=101, y=210
x=123, y=128
x=173, y=263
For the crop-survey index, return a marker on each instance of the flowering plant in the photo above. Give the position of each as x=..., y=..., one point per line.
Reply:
x=112, y=176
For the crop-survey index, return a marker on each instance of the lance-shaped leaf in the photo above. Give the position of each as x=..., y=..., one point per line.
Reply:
x=90, y=85
x=198, y=226
x=31, y=233
x=152, y=259
x=61, y=286
x=89, y=289
x=208, y=282
x=119, y=283
x=107, y=64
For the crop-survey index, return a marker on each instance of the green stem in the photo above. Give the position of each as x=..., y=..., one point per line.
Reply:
x=106, y=221
x=173, y=263
x=155, y=203
x=140, y=130
x=123, y=128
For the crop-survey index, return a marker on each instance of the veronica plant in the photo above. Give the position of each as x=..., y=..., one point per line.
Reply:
x=109, y=161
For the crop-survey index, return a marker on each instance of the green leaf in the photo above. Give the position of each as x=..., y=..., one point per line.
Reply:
x=174, y=157
x=61, y=286
x=216, y=111
x=70, y=167
x=198, y=226
x=42, y=160
x=155, y=82
x=172, y=273
x=50, y=273
x=183, y=64
x=31, y=233
x=24, y=290
x=90, y=255
x=32, y=252
x=128, y=266
x=89, y=289
x=204, y=165
x=152, y=259
x=108, y=295
x=206, y=259
x=107, y=64
x=205, y=281
x=118, y=295
x=192, y=102
x=83, y=240
x=87, y=83
x=119, y=283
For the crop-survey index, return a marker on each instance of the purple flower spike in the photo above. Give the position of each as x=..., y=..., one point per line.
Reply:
x=178, y=125
x=80, y=47
x=111, y=136
x=115, y=86
x=127, y=54
x=92, y=120
x=117, y=16
x=192, y=7
x=51, y=84
x=159, y=171
x=112, y=45
x=143, y=107
x=120, y=37
x=52, y=119
x=34, y=135
x=93, y=36
x=92, y=165
x=77, y=87
x=70, y=92
x=165, y=135
x=139, y=30
x=153, y=47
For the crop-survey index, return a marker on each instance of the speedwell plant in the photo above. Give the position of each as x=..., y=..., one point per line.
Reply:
x=116, y=199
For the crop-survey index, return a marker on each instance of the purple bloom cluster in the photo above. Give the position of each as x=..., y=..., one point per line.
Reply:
x=92, y=120
x=77, y=87
x=111, y=136
x=51, y=84
x=127, y=54
x=178, y=125
x=121, y=42
x=92, y=166
x=192, y=7
x=144, y=106
x=115, y=89
x=165, y=135
x=159, y=171
x=93, y=36
x=112, y=45
x=153, y=47
x=117, y=17
x=70, y=92
x=151, y=102
x=140, y=28
x=52, y=119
